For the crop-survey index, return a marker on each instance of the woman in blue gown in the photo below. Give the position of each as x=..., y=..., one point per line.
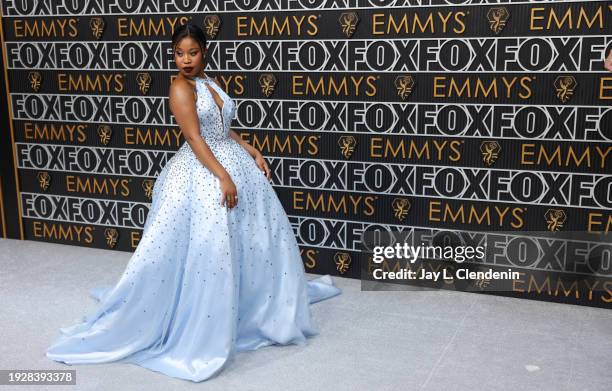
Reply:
x=218, y=269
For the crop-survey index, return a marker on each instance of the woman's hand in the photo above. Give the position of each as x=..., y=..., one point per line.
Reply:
x=229, y=195
x=608, y=62
x=261, y=163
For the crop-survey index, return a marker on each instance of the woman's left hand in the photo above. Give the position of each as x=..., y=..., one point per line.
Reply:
x=608, y=62
x=261, y=163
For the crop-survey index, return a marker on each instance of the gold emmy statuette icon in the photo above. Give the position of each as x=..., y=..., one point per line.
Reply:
x=490, y=151
x=144, y=82
x=211, y=25
x=404, y=85
x=555, y=219
x=400, y=206
x=564, y=87
x=35, y=79
x=267, y=82
x=104, y=133
x=44, y=179
x=111, y=235
x=498, y=17
x=147, y=186
x=348, y=23
x=343, y=261
x=347, y=145
x=96, y=25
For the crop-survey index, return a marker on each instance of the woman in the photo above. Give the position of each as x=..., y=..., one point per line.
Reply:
x=218, y=269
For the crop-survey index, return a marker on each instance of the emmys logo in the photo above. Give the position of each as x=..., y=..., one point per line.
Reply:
x=497, y=16
x=44, y=180
x=348, y=22
x=104, y=133
x=147, y=186
x=97, y=27
x=564, y=87
x=267, y=82
x=111, y=235
x=555, y=218
x=400, y=206
x=211, y=25
x=35, y=80
x=144, y=82
x=343, y=261
x=490, y=151
x=347, y=145
x=404, y=85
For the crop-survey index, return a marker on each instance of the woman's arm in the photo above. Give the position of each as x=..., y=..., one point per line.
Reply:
x=182, y=105
x=248, y=147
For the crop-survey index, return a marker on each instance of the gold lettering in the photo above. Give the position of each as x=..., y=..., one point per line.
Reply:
x=472, y=214
x=329, y=86
x=596, y=220
x=328, y=203
x=412, y=23
x=275, y=26
x=93, y=185
x=447, y=87
x=63, y=232
x=605, y=88
x=564, y=155
x=55, y=28
x=551, y=19
x=152, y=136
x=148, y=27
x=53, y=132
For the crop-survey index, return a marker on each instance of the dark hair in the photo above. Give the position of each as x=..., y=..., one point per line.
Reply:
x=189, y=29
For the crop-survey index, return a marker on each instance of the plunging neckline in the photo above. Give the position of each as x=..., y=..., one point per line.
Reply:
x=205, y=80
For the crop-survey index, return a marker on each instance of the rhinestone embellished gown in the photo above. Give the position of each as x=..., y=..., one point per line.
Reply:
x=205, y=281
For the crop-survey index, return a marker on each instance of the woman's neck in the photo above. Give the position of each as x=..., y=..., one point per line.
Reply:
x=201, y=74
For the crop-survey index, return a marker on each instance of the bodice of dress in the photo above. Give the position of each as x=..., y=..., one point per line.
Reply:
x=214, y=121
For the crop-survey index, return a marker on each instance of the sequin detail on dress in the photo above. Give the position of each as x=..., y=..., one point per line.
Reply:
x=205, y=281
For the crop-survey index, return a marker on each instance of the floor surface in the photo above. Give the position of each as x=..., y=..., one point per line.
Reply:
x=391, y=340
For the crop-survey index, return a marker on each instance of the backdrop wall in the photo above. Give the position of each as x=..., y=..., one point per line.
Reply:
x=452, y=116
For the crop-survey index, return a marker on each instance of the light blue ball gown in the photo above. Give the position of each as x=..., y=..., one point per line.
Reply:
x=205, y=281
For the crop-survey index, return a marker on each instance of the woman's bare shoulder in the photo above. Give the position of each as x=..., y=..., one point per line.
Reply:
x=180, y=83
x=180, y=88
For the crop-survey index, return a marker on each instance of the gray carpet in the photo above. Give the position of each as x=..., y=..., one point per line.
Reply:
x=421, y=340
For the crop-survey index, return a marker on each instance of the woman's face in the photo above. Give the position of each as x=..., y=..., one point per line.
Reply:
x=189, y=57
